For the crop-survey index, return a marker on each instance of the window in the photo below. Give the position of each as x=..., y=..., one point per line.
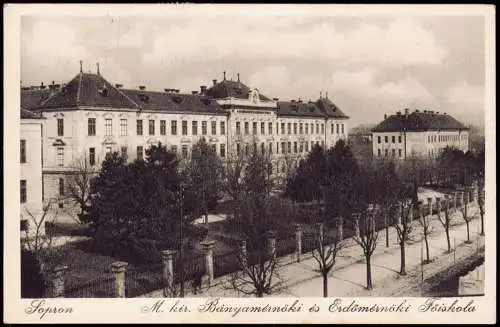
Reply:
x=262, y=128
x=254, y=128
x=246, y=149
x=399, y=139
x=307, y=128
x=294, y=147
x=379, y=152
x=254, y=147
x=60, y=127
x=184, y=127
x=91, y=126
x=203, y=128
x=60, y=157
x=342, y=128
x=139, y=126
x=312, y=128
x=23, y=151
x=400, y=153
x=238, y=128
x=246, y=128
x=393, y=152
x=184, y=151
x=283, y=147
x=174, y=149
x=393, y=139
x=92, y=156
x=222, y=128
x=282, y=128
x=277, y=148
x=123, y=127
x=289, y=147
x=323, y=144
x=123, y=152
x=338, y=128
x=270, y=128
x=307, y=146
x=301, y=147
x=214, y=128
x=173, y=127
x=312, y=145
x=386, y=139
x=214, y=148
x=23, y=191
x=151, y=127
x=294, y=128
x=108, y=150
x=323, y=129
x=386, y=152
x=270, y=148
x=194, y=127
x=238, y=148
x=379, y=139
x=163, y=127
x=24, y=225
x=333, y=129
x=289, y=128
x=140, y=152
x=277, y=128
x=223, y=150
x=317, y=128
x=262, y=148
x=301, y=128
x=108, y=127
x=61, y=186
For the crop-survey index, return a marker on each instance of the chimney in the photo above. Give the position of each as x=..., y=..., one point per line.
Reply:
x=276, y=99
x=300, y=100
x=142, y=87
x=326, y=95
x=293, y=101
x=238, y=74
x=407, y=110
x=81, y=66
x=176, y=91
x=194, y=92
x=215, y=81
x=437, y=112
x=320, y=95
x=224, y=75
x=385, y=116
x=203, y=89
x=42, y=86
x=398, y=113
x=118, y=86
x=98, y=71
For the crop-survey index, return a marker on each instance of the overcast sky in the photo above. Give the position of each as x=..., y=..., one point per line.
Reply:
x=368, y=66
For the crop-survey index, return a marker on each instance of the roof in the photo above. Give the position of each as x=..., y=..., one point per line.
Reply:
x=93, y=90
x=27, y=114
x=234, y=89
x=362, y=129
x=330, y=109
x=419, y=121
x=286, y=108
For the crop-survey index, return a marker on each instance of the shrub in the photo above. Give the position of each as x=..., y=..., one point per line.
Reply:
x=32, y=282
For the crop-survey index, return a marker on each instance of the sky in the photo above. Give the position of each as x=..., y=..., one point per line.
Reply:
x=370, y=66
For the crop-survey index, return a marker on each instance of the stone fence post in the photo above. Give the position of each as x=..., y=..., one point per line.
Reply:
x=298, y=241
x=447, y=202
x=271, y=243
x=208, y=246
x=243, y=253
x=355, y=219
x=340, y=228
x=167, y=259
x=58, y=281
x=118, y=269
x=438, y=205
x=472, y=193
x=321, y=235
x=429, y=201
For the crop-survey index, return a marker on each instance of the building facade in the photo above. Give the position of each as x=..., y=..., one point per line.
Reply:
x=89, y=117
x=31, y=187
x=419, y=133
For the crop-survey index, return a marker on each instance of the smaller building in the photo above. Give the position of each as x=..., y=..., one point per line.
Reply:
x=31, y=167
x=419, y=133
x=360, y=141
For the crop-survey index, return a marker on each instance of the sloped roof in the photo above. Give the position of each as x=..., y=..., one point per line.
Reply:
x=419, y=121
x=28, y=114
x=330, y=109
x=287, y=108
x=235, y=89
x=32, y=98
x=362, y=129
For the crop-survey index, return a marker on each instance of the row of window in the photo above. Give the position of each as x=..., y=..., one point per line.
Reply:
x=386, y=139
x=286, y=128
x=286, y=147
x=24, y=189
x=108, y=127
x=393, y=152
x=443, y=138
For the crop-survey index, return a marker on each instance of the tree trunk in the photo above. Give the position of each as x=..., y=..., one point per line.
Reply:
x=482, y=222
x=402, y=271
x=260, y=294
x=448, y=239
x=368, y=273
x=386, y=231
x=325, y=285
x=427, y=248
x=468, y=233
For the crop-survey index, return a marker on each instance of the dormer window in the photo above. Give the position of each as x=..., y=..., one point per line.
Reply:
x=143, y=97
x=177, y=99
x=103, y=91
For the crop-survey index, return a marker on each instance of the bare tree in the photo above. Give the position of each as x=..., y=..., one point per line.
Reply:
x=366, y=236
x=234, y=185
x=404, y=226
x=35, y=238
x=480, y=201
x=444, y=220
x=425, y=220
x=464, y=211
x=325, y=255
x=79, y=185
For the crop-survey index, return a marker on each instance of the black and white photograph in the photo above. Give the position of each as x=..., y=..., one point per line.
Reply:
x=255, y=153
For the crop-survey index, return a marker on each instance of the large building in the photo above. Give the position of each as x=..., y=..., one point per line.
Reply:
x=89, y=117
x=31, y=196
x=419, y=133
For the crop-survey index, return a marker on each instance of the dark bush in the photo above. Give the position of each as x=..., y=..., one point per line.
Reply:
x=32, y=282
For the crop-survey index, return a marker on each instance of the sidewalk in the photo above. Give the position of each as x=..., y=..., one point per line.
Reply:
x=348, y=276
